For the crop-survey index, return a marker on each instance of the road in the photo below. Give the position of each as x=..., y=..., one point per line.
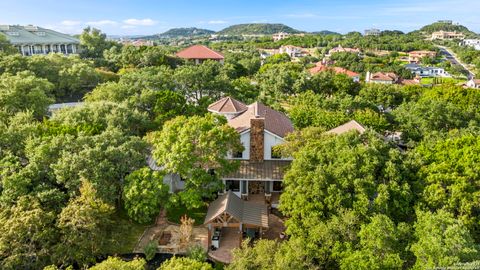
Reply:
x=452, y=57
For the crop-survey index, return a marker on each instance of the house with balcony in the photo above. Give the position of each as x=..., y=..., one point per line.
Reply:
x=32, y=40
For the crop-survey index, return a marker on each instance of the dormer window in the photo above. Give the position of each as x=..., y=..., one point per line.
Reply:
x=275, y=153
x=13, y=34
x=40, y=34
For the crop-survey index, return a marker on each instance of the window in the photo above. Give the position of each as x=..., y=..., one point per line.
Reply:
x=277, y=186
x=275, y=154
x=238, y=154
x=232, y=185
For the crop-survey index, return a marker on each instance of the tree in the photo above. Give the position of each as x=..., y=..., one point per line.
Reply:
x=179, y=263
x=443, y=241
x=378, y=248
x=196, y=148
x=144, y=194
x=150, y=250
x=201, y=81
x=197, y=252
x=27, y=235
x=93, y=42
x=24, y=92
x=5, y=46
x=114, y=263
x=84, y=225
x=447, y=170
x=346, y=177
x=269, y=254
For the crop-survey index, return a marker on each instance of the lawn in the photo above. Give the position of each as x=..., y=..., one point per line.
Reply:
x=176, y=212
x=125, y=234
x=442, y=80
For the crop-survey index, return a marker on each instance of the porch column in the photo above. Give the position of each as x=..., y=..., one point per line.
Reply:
x=21, y=49
x=209, y=242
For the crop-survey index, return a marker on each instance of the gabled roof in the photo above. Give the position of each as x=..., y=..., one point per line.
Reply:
x=199, y=52
x=227, y=105
x=349, y=126
x=275, y=122
x=245, y=212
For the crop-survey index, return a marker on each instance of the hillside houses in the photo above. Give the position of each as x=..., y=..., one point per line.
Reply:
x=446, y=35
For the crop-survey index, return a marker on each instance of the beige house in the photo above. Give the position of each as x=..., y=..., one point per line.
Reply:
x=382, y=78
x=416, y=56
x=445, y=35
x=473, y=83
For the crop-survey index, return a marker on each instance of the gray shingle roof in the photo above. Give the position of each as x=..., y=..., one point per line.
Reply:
x=245, y=212
x=17, y=35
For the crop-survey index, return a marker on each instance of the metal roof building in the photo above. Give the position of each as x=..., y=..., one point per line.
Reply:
x=30, y=40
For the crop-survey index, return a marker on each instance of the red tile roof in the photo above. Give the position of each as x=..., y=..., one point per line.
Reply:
x=199, y=52
x=381, y=76
x=227, y=105
x=338, y=70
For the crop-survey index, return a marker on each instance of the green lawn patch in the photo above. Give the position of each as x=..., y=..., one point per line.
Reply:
x=125, y=234
x=441, y=80
x=175, y=213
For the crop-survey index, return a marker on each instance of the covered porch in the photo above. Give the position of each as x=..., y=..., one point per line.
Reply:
x=229, y=220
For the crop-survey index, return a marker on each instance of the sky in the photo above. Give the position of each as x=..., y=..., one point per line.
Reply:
x=140, y=17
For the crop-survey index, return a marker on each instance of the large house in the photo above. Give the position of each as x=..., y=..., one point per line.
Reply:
x=200, y=53
x=31, y=40
x=372, y=32
x=320, y=67
x=279, y=36
x=417, y=56
x=382, y=78
x=293, y=51
x=445, y=35
x=261, y=170
x=261, y=167
x=427, y=71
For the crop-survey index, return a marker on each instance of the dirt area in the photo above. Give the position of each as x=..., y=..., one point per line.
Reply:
x=166, y=234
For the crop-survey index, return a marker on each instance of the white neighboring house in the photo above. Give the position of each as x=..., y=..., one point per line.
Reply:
x=475, y=43
x=373, y=32
x=474, y=83
x=279, y=36
x=427, y=71
x=261, y=169
x=52, y=108
x=292, y=51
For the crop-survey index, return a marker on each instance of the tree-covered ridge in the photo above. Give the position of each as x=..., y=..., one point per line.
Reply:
x=257, y=29
x=439, y=26
x=181, y=32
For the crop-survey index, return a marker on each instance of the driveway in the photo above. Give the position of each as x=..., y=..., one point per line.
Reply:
x=452, y=57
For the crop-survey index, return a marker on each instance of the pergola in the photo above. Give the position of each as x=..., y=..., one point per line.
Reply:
x=229, y=211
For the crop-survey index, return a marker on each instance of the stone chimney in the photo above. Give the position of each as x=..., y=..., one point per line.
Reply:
x=257, y=127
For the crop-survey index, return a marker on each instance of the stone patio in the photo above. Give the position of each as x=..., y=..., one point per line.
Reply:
x=229, y=240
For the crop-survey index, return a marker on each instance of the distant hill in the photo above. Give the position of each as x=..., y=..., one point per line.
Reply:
x=181, y=32
x=325, y=32
x=257, y=29
x=438, y=26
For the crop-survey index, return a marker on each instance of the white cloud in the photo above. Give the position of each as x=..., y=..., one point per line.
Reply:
x=128, y=27
x=102, y=22
x=70, y=23
x=217, y=22
x=141, y=22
